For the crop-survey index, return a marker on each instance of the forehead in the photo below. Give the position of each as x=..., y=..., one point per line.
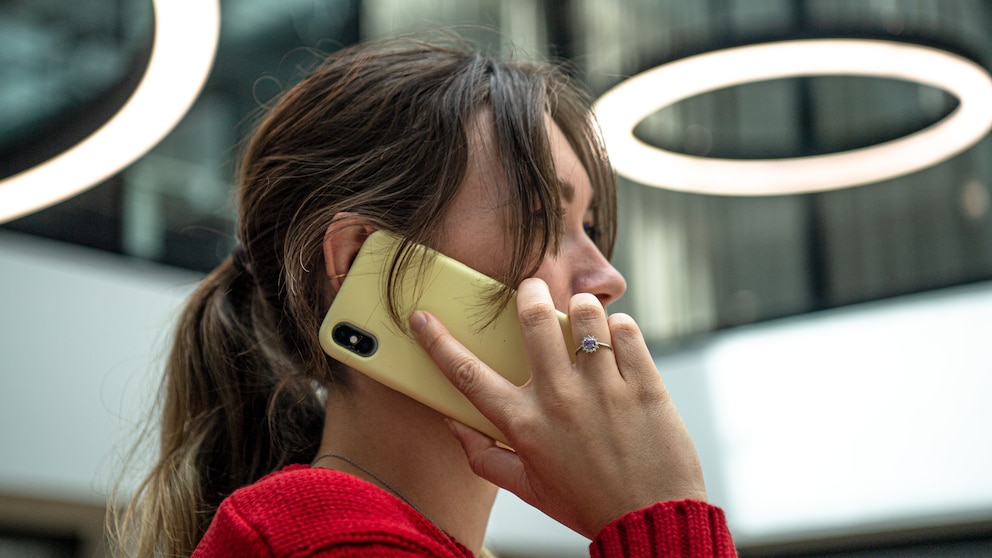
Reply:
x=575, y=182
x=483, y=187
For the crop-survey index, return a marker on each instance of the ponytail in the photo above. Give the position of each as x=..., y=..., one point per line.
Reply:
x=233, y=408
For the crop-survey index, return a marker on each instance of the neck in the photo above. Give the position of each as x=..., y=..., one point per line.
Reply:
x=406, y=448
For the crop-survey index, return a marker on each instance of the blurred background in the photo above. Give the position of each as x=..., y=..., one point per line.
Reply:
x=829, y=350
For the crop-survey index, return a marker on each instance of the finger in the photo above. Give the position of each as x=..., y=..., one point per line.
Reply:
x=547, y=352
x=633, y=358
x=488, y=460
x=591, y=334
x=491, y=393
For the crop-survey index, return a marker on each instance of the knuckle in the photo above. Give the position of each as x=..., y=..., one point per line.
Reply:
x=464, y=373
x=561, y=408
x=585, y=310
x=514, y=422
x=622, y=325
x=522, y=425
x=536, y=314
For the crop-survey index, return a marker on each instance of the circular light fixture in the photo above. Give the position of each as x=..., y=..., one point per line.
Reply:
x=186, y=36
x=620, y=109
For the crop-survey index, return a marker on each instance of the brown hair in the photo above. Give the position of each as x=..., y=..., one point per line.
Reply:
x=378, y=130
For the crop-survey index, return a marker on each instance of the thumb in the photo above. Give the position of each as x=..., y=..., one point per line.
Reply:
x=489, y=460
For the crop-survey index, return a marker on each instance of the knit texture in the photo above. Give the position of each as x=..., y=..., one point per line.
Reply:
x=304, y=511
x=683, y=529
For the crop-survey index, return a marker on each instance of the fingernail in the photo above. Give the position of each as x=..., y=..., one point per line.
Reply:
x=417, y=321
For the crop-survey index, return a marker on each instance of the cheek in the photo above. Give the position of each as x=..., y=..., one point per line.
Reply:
x=554, y=272
x=483, y=252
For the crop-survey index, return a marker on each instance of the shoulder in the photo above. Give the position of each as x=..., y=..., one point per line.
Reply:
x=305, y=511
x=301, y=493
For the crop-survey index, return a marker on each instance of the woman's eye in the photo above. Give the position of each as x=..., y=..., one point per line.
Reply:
x=591, y=231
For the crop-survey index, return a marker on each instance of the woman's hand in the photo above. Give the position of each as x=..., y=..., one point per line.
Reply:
x=594, y=439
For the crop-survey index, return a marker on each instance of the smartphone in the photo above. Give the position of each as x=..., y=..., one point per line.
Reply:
x=359, y=332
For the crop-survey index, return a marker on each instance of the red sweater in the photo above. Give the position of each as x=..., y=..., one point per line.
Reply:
x=304, y=511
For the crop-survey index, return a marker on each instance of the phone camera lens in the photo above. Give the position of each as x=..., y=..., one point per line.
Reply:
x=341, y=334
x=365, y=346
x=354, y=339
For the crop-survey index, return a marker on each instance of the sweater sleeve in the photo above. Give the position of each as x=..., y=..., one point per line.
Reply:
x=683, y=529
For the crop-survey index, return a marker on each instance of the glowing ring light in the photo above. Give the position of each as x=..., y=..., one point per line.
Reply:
x=623, y=107
x=186, y=35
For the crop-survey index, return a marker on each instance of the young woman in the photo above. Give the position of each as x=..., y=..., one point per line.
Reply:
x=270, y=448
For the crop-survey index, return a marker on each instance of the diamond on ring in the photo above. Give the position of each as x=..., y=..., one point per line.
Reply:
x=590, y=344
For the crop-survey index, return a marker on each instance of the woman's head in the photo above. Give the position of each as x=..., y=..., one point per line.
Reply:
x=387, y=133
x=389, y=136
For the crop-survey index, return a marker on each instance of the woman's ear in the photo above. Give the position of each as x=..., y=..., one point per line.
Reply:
x=342, y=240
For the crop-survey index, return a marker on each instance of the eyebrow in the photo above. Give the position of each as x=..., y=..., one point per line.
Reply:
x=567, y=190
x=568, y=193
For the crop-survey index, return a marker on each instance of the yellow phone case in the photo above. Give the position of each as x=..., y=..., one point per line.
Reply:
x=451, y=291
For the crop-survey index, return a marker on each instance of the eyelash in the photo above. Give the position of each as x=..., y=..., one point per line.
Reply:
x=592, y=231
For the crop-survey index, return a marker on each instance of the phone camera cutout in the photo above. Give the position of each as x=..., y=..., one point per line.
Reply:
x=355, y=340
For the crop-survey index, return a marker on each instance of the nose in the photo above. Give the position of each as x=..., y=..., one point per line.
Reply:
x=598, y=276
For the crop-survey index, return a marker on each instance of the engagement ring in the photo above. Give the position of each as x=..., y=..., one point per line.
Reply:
x=590, y=345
